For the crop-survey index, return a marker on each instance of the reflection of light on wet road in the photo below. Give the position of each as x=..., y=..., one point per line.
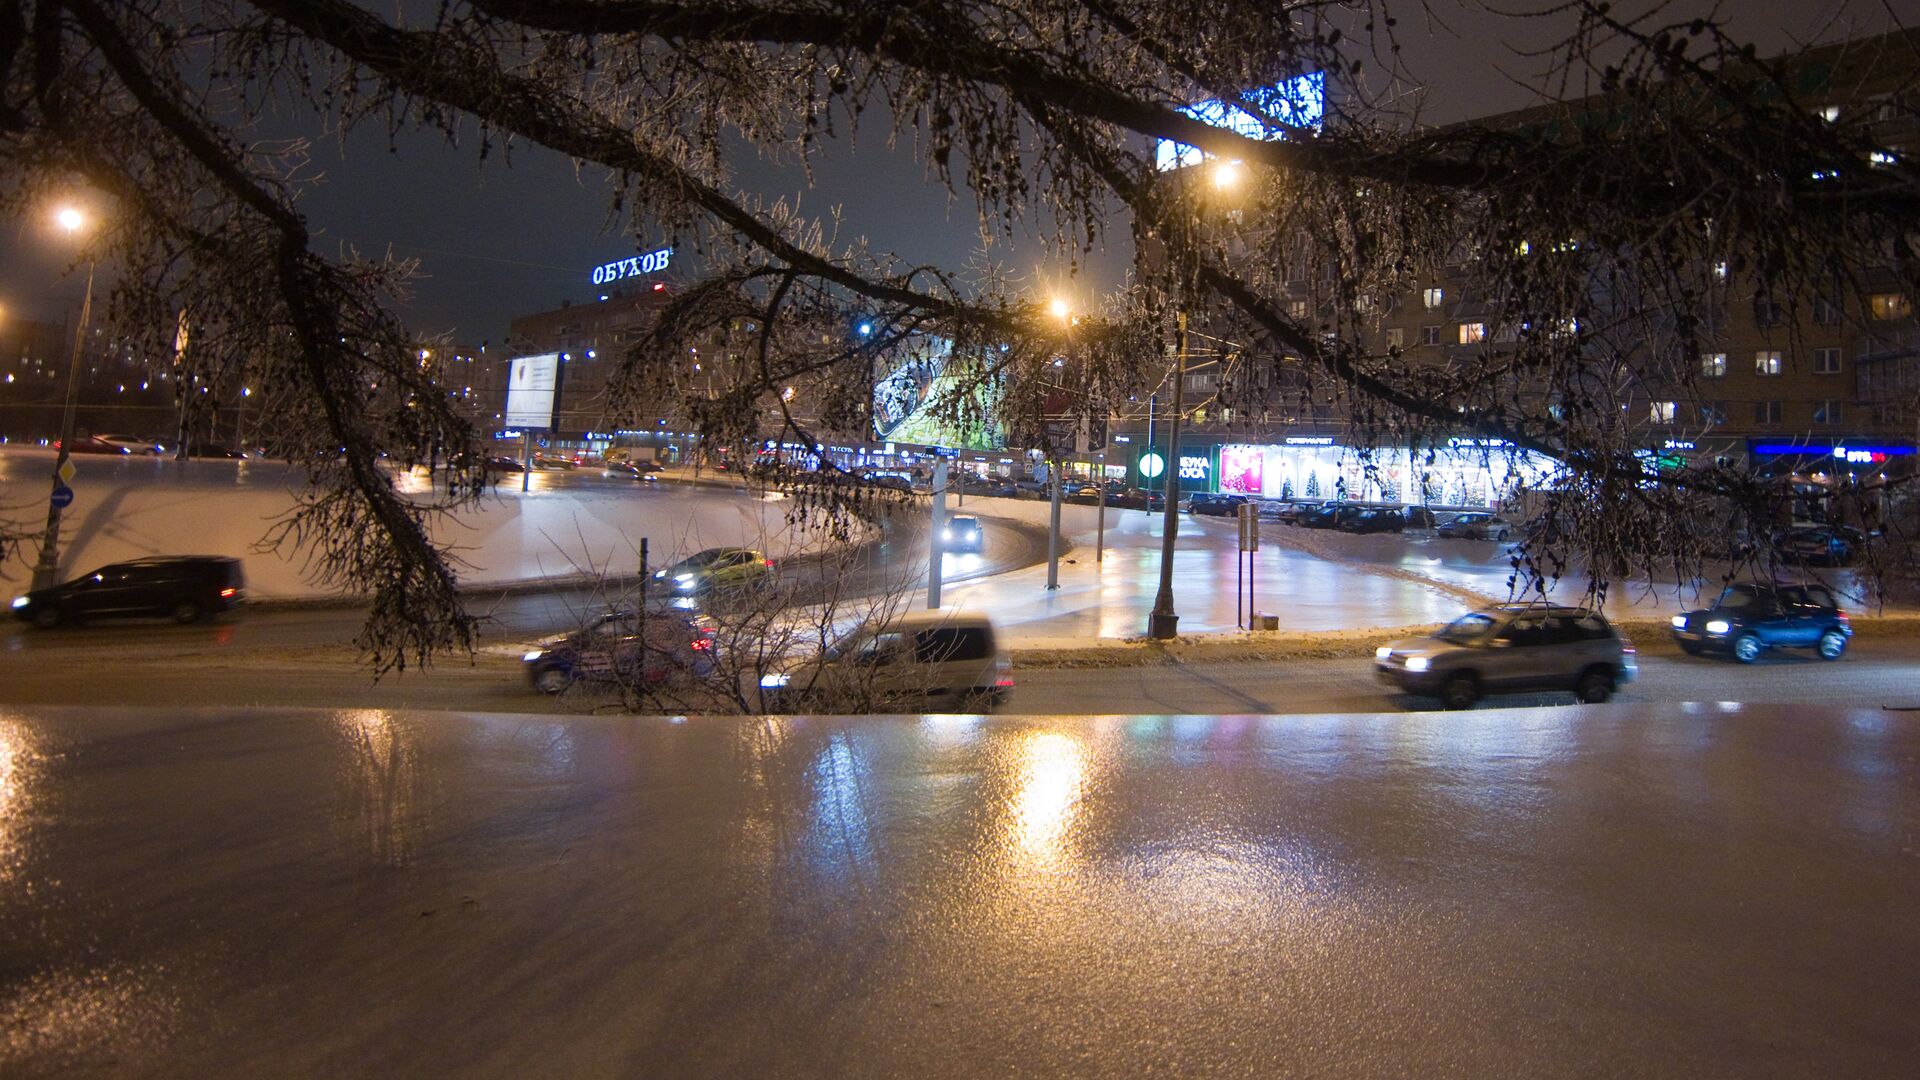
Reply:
x=19, y=766
x=952, y=563
x=380, y=810
x=840, y=838
x=1053, y=766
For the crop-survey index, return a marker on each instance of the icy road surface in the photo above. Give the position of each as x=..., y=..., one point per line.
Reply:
x=1595, y=891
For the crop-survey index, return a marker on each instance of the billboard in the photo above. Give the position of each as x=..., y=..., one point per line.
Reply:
x=531, y=382
x=1300, y=102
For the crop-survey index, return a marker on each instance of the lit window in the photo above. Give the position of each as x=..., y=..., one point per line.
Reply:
x=1434, y=297
x=1472, y=333
x=1720, y=270
x=1826, y=361
x=1892, y=306
x=1396, y=338
x=1827, y=412
x=1663, y=412
x=1297, y=309
x=1766, y=362
x=1713, y=365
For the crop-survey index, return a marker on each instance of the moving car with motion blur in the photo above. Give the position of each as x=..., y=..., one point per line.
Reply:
x=1216, y=504
x=554, y=461
x=1508, y=648
x=133, y=444
x=925, y=661
x=715, y=569
x=92, y=444
x=619, y=647
x=180, y=587
x=962, y=535
x=1748, y=619
x=629, y=470
x=1474, y=526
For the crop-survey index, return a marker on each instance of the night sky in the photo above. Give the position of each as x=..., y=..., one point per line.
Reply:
x=497, y=241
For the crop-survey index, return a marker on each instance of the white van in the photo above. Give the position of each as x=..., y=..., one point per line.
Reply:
x=926, y=661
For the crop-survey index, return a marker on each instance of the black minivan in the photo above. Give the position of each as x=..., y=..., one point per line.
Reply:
x=180, y=587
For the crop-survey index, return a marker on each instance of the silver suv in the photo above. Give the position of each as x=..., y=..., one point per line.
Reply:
x=1511, y=647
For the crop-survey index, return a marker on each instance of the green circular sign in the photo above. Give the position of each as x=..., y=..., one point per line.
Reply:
x=1152, y=465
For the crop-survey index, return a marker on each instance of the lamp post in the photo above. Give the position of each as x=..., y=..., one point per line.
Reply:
x=46, y=571
x=1162, y=623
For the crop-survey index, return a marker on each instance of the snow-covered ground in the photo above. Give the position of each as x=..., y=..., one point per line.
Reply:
x=131, y=507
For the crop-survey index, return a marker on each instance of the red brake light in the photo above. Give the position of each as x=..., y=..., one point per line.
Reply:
x=228, y=592
x=703, y=644
x=1843, y=616
x=769, y=563
x=1003, y=682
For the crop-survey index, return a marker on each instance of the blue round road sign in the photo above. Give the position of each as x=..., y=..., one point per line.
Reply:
x=62, y=496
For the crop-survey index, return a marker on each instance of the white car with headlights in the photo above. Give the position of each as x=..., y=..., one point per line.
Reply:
x=1512, y=647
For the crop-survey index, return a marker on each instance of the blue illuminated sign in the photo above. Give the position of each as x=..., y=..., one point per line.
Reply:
x=651, y=263
x=1299, y=103
x=1844, y=451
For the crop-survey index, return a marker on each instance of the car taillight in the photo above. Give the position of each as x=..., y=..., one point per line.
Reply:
x=1003, y=682
x=1843, y=616
x=703, y=644
x=1627, y=646
x=768, y=562
x=228, y=593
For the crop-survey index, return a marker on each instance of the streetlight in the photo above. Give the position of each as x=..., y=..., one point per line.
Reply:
x=46, y=571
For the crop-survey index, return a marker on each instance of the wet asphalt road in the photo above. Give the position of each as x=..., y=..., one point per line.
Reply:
x=1568, y=892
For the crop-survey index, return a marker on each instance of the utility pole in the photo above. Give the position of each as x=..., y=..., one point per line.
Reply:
x=1053, y=533
x=1100, y=538
x=1163, y=623
x=935, y=543
x=46, y=572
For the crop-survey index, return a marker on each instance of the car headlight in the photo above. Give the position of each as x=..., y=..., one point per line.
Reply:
x=685, y=580
x=774, y=680
x=1719, y=626
x=20, y=601
x=946, y=534
x=1418, y=663
x=533, y=655
x=659, y=573
x=1679, y=622
x=1382, y=652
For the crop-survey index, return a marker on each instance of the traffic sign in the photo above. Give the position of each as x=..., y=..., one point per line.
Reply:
x=65, y=472
x=1152, y=465
x=63, y=496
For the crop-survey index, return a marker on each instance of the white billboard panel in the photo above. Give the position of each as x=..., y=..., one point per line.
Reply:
x=530, y=389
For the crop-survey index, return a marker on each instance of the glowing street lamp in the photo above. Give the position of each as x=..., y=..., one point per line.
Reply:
x=1226, y=175
x=46, y=571
x=1061, y=309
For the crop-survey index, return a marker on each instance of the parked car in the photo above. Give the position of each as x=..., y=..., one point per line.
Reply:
x=1372, y=520
x=1512, y=647
x=1474, y=526
x=715, y=568
x=1293, y=513
x=1321, y=517
x=181, y=587
x=1217, y=504
x=1419, y=517
x=1082, y=494
x=92, y=444
x=1821, y=545
x=133, y=444
x=1133, y=499
x=626, y=470
x=1749, y=619
x=616, y=647
x=927, y=661
x=962, y=534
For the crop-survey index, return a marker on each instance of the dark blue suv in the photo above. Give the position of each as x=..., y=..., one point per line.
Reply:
x=1748, y=620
